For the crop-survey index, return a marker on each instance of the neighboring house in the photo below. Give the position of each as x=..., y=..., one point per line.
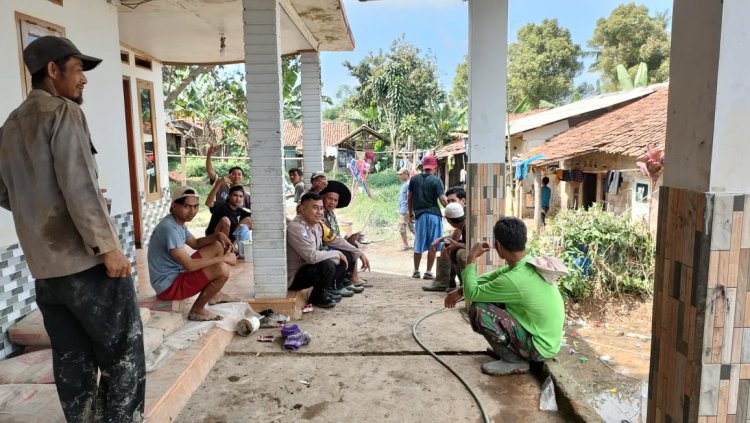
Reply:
x=602, y=153
x=333, y=134
x=339, y=144
x=124, y=101
x=527, y=131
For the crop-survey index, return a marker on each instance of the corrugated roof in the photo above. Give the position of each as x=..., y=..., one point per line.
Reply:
x=457, y=145
x=627, y=131
x=333, y=133
x=590, y=104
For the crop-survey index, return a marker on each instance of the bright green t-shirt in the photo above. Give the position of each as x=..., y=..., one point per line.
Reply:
x=537, y=305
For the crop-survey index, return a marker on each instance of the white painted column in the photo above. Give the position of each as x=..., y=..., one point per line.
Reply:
x=312, y=117
x=488, y=35
x=488, y=51
x=265, y=145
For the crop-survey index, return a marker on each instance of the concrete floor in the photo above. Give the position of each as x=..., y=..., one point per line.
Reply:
x=363, y=364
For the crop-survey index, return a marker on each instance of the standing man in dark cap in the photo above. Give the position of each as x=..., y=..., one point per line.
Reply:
x=83, y=284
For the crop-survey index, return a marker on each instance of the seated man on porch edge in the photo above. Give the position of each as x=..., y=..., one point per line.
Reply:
x=519, y=311
x=174, y=274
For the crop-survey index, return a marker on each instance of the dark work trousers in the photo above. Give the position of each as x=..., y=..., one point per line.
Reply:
x=320, y=276
x=349, y=269
x=94, y=323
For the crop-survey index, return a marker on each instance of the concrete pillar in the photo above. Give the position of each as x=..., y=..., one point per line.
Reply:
x=265, y=145
x=700, y=353
x=312, y=118
x=488, y=34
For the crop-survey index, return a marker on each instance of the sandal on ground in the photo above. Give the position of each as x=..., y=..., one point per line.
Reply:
x=428, y=276
x=210, y=317
x=416, y=274
x=405, y=248
x=221, y=298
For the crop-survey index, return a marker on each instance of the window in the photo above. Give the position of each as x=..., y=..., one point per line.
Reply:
x=29, y=29
x=641, y=192
x=125, y=57
x=142, y=62
x=148, y=139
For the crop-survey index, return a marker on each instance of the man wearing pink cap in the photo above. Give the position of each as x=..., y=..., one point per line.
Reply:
x=425, y=191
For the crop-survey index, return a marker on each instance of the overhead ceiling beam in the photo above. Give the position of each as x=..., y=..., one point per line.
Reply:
x=303, y=29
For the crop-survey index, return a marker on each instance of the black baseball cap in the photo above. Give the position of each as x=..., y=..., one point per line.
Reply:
x=50, y=48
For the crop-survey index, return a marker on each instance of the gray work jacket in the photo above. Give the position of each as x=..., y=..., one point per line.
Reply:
x=48, y=180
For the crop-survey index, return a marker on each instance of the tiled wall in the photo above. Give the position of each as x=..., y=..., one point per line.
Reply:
x=700, y=360
x=152, y=212
x=487, y=184
x=17, y=294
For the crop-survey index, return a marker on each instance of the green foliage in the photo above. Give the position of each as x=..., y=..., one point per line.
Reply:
x=382, y=210
x=398, y=83
x=630, y=36
x=542, y=64
x=383, y=179
x=460, y=91
x=620, y=253
x=196, y=167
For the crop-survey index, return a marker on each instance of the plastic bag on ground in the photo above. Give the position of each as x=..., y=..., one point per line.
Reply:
x=547, y=401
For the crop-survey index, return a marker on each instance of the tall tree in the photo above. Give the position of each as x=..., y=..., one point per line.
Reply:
x=542, y=64
x=398, y=83
x=628, y=37
x=460, y=91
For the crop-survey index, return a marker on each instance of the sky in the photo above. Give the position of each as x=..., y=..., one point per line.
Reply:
x=440, y=27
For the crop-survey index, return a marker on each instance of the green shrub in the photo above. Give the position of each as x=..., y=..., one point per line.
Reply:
x=619, y=254
x=196, y=167
x=383, y=179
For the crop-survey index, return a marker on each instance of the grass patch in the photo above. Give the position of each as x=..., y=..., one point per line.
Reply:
x=382, y=210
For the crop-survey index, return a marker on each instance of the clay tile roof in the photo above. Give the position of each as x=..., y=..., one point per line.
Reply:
x=333, y=132
x=627, y=131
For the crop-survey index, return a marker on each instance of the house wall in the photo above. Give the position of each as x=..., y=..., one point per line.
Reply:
x=620, y=202
x=105, y=116
x=151, y=210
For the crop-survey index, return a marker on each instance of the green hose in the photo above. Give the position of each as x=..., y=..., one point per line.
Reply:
x=485, y=417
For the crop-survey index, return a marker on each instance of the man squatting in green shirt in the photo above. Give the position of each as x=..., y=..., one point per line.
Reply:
x=519, y=313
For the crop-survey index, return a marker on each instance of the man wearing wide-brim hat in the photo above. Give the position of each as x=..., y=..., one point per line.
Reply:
x=337, y=195
x=83, y=282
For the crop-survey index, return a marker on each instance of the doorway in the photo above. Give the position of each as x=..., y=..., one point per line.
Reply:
x=589, y=190
x=135, y=201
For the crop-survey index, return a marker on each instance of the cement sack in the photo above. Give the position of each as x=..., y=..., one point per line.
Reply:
x=30, y=331
x=166, y=322
x=35, y=367
x=30, y=404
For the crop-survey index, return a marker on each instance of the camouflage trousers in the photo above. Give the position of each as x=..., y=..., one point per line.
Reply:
x=500, y=328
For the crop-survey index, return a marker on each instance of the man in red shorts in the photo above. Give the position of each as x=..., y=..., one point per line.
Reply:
x=175, y=275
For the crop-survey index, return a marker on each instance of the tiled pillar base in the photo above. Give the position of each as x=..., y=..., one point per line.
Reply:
x=486, y=202
x=700, y=358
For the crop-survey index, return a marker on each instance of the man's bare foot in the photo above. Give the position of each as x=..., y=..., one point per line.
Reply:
x=203, y=316
x=221, y=298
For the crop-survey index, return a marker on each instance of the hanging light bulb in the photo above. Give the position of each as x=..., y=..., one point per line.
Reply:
x=222, y=45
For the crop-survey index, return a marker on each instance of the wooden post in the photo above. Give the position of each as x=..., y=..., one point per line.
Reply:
x=599, y=188
x=183, y=163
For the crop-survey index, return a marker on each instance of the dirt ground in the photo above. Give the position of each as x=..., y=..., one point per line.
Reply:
x=363, y=365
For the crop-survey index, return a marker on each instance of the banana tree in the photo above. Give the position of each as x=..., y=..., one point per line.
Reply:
x=640, y=80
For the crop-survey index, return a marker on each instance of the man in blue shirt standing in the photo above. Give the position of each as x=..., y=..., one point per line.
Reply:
x=404, y=221
x=546, y=195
